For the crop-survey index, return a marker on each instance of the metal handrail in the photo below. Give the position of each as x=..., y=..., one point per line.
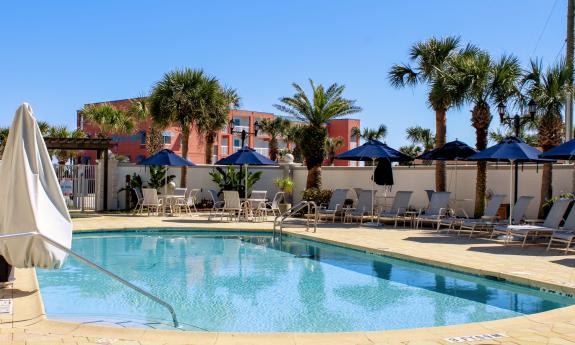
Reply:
x=293, y=210
x=99, y=268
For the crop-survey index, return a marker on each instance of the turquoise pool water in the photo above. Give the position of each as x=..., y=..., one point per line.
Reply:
x=244, y=282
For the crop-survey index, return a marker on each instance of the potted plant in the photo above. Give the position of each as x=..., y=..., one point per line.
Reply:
x=286, y=186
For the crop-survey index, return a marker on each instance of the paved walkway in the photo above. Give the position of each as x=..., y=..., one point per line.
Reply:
x=532, y=265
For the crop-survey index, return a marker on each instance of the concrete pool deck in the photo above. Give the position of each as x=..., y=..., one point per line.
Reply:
x=531, y=266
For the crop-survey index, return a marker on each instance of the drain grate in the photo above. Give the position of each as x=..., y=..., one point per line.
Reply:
x=471, y=338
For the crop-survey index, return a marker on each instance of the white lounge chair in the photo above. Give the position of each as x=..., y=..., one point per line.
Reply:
x=335, y=206
x=363, y=207
x=217, y=204
x=552, y=221
x=151, y=201
x=140, y=198
x=398, y=208
x=473, y=225
x=566, y=234
x=188, y=202
x=436, y=210
x=233, y=205
x=518, y=215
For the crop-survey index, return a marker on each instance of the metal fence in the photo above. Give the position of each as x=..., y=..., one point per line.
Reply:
x=78, y=184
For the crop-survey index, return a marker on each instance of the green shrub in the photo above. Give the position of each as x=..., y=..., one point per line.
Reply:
x=234, y=179
x=319, y=196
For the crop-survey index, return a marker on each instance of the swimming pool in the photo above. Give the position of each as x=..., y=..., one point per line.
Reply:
x=245, y=282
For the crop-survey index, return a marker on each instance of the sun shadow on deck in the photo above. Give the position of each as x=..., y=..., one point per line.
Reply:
x=515, y=249
x=15, y=293
x=565, y=262
x=448, y=240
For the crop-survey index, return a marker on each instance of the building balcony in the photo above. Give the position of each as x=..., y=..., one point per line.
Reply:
x=239, y=128
x=224, y=149
x=264, y=151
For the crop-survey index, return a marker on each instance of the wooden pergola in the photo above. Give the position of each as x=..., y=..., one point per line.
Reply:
x=100, y=145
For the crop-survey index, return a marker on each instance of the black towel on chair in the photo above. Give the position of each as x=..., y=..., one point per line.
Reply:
x=383, y=175
x=5, y=270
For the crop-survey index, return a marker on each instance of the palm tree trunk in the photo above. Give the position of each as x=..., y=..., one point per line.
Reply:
x=210, y=139
x=314, y=177
x=480, y=120
x=185, y=140
x=546, y=187
x=273, y=147
x=440, y=130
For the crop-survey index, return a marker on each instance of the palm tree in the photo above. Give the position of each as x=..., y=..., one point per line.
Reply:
x=325, y=105
x=63, y=132
x=182, y=97
x=4, y=131
x=369, y=133
x=292, y=135
x=422, y=137
x=109, y=120
x=529, y=138
x=331, y=147
x=139, y=109
x=217, y=118
x=484, y=82
x=431, y=60
x=274, y=128
x=548, y=89
x=410, y=150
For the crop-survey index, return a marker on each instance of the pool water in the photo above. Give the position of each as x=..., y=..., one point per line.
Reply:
x=245, y=282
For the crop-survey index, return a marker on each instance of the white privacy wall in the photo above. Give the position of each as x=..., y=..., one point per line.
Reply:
x=416, y=179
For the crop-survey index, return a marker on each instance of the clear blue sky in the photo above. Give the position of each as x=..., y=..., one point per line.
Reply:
x=58, y=55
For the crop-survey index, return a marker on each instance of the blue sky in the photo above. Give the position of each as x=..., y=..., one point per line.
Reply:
x=59, y=55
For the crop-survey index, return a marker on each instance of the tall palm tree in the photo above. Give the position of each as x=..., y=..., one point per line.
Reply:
x=422, y=137
x=109, y=120
x=548, y=89
x=63, y=132
x=325, y=105
x=484, y=82
x=331, y=147
x=182, y=97
x=217, y=117
x=369, y=133
x=274, y=128
x=431, y=58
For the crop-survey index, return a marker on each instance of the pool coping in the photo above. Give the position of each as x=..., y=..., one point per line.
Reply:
x=545, y=324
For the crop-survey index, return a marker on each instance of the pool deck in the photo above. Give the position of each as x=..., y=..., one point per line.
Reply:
x=531, y=266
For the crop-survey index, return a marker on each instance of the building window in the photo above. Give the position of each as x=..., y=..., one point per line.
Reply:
x=142, y=137
x=167, y=137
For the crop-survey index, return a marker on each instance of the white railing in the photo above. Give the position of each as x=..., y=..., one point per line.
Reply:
x=237, y=148
x=224, y=150
x=262, y=150
x=239, y=128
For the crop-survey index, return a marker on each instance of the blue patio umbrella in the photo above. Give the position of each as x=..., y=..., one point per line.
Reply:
x=452, y=151
x=373, y=150
x=244, y=157
x=511, y=150
x=564, y=151
x=166, y=158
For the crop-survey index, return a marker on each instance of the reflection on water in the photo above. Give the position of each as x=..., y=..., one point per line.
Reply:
x=247, y=282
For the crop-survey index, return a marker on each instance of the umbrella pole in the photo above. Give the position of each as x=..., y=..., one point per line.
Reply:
x=166, y=181
x=246, y=182
x=372, y=222
x=511, y=193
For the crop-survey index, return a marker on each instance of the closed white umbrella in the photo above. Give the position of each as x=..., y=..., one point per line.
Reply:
x=30, y=198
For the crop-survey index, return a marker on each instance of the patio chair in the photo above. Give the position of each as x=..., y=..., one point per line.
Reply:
x=473, y=225
x=517, y=217
x=140, y=198
x=217, y=204
x=151, y=201
x=189, y=200
x=363, y=207
x=335, y=206
x=436, y=210
x=566, y=234
x=398, y=207
x=233, y=205
x=179, y=195
x=551, y=224
x=273, y=206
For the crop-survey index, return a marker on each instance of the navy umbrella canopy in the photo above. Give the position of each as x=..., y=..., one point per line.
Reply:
x=509, y=149
x=166, y=158
x=246, y=156
x=373, y=150
x=564, y=151
x=451, y=151
x=512, y=150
